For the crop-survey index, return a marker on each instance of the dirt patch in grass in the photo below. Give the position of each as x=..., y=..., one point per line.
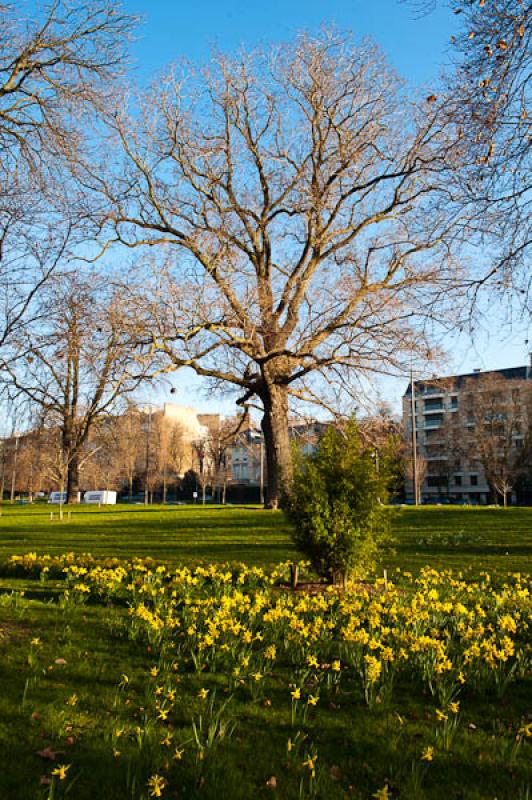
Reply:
x=13, y=630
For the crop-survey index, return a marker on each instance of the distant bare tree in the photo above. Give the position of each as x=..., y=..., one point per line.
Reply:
x=178, y=450
x=128, y=445
x=161, y=439
x=222, y=435
x=75, y=365
x=420, y=474
x=498, y=422
x=101, y=467
x=30, y=473
x=446, y=452
x=299, y=197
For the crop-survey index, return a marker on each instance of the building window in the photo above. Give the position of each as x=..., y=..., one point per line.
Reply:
x=473, y=480
x=434, y=421
x=434, y=405
x=457, y=480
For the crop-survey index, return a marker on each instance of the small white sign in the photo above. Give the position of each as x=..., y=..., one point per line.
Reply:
x=194, y=495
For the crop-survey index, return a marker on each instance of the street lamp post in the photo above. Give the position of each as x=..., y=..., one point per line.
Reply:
x=147, y=477
x=414, y=439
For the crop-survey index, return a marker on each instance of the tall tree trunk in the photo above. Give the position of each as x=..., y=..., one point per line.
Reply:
x=72, y=488
x=276, y=444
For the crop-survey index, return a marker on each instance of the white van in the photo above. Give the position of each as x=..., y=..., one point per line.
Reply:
x=60, y=497
x=102, y=498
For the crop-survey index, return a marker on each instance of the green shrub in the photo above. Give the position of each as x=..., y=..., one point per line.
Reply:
x=336, y=504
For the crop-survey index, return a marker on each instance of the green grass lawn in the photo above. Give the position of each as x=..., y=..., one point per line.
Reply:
x=177, y=535
x=61, y=701
x=65, y=701
x=496, y=540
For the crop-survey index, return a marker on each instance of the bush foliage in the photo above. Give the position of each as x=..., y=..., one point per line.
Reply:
x=337, y=504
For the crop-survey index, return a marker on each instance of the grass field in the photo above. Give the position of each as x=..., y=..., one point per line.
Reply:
x=481, y=538
x=116, y=699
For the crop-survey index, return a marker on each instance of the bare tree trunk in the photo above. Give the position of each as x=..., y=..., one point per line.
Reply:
x=3, y=479
x=277, y=444
x=73, y=480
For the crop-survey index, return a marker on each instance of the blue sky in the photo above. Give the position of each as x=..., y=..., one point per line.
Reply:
x=415, y=44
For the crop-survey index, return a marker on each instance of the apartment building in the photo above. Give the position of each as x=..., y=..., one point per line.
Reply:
x=473, y=436
x=247, y=452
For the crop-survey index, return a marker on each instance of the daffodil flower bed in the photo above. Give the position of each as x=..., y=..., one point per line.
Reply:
x=228, y=652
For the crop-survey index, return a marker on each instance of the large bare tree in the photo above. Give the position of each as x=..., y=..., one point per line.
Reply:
x=297, y=198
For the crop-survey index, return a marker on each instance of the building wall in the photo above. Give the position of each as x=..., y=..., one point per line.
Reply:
x=187, y=418
x=445, y=409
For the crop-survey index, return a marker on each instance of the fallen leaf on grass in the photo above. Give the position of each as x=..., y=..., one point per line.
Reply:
x=49, y=753
x=271, y=783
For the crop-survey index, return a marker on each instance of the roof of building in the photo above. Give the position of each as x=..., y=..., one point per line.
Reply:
x=455, y=382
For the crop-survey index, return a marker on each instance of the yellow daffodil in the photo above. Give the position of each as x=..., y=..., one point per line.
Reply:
x=382, y=794
x=61, y=771
x=427, y=754
x=156, y=784
x=310, y=762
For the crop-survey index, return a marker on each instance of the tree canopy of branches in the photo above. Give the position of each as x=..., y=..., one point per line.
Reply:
x=491, y=83
x=50, y=65
x=296, y=196
x=54, y=62
x=74, y=364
